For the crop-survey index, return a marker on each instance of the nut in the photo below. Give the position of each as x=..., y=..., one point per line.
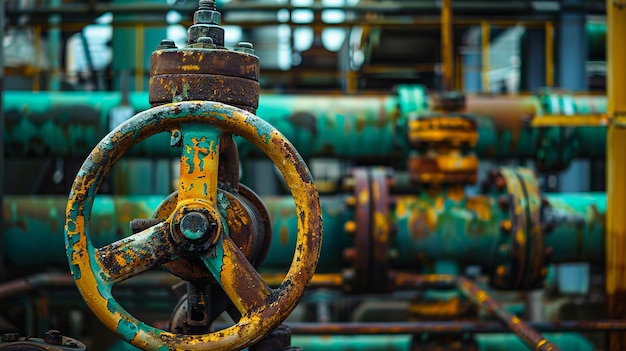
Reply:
x=207, y=17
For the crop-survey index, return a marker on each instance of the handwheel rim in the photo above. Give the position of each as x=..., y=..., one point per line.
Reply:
x=81, y=252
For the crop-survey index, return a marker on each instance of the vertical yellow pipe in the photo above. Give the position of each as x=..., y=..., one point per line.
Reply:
x=616, y=171
x=139, y=52
x=447, y=50
x=549, y=28
x=486, y=40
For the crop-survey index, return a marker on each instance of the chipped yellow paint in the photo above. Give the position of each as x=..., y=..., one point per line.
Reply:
x=381, y=227
x=431, y=218
x=439, y=202
x=481, y=296
x=541, y=343
x=515, y=320
x=456, y=192
x=481, y=206
x=190, y=67
x=520, y=237
x=400, y=209
x=252, y=326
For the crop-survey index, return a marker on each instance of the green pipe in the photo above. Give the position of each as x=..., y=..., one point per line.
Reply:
x=577, y=225
x=492, y=342
x=428, y=229
x=373, y=127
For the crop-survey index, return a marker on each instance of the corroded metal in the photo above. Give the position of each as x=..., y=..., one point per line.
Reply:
x=371, y=231
x=356, y=127
x=211, y=74
x=524, y=331
x=443, y=145
x=521, y=245
x=262, y=308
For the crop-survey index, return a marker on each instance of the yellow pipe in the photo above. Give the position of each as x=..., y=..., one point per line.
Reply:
x=485, y=29
x=549, y=28
x=447, y=54
x=139, y=53
x=616, y=171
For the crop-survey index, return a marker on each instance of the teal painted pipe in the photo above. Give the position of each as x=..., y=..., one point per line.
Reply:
x=428, y=230
x=353, y=343
x=71, y=123
x=493, y=342
x=576, y=227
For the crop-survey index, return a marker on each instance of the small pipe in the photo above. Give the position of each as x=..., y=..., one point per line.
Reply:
x=526, y=333
x=396, y=328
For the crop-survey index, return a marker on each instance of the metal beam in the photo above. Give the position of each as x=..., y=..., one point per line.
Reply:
x=616, y=168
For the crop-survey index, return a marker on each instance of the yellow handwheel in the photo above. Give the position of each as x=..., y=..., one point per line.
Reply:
x=195, y=228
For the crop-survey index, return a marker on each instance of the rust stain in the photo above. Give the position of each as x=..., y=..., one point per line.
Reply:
x=481, y=206
x=284, y=235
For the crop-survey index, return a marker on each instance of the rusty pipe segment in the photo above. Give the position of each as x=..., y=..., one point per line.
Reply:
x=357, y=127
x=426, y=228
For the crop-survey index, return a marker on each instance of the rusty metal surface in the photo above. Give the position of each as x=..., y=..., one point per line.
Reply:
x=450, y=327
x=371, y=231
x=231, y=77
x=357, y=279
x=443, y=147
x=450, y=168
x=454, y=129
x=521, y=244
x=525, y=332
x=204, y=61
x=262, y=308
x=167, y=88
x=380, y=180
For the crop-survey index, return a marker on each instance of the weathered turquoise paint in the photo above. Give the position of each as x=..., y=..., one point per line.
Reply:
x=34, y=229
x=439, y=228
x=579, y=227
x=373, y=127
x=487, y=342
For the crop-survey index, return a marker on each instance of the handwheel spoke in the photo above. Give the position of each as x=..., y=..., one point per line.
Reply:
x=240, y=281
x=199, y=163
x=136, y=254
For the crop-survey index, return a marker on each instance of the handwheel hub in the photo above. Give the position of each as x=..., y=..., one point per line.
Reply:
x=195, y=228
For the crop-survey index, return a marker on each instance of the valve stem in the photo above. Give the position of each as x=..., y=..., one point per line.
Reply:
x=207, y=5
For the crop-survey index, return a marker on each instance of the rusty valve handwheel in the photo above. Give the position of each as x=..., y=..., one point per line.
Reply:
x=196, y=227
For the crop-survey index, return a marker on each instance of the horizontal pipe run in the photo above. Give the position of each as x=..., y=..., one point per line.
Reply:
x=396, y=328
x=69, y=124
x=465, y=232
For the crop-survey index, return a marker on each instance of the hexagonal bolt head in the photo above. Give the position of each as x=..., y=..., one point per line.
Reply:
x=197, y=31
x=207, y=17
